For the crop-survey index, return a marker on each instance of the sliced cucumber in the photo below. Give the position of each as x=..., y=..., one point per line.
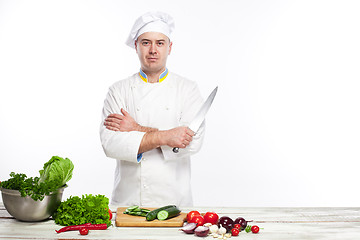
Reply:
x=136, y=211
x=153, y=214
x=168, y=213
x=133, y=208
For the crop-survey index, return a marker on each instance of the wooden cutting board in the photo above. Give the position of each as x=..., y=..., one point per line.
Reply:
x=126, y=220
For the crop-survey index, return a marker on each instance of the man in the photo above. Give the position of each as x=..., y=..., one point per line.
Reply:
x=145, y=116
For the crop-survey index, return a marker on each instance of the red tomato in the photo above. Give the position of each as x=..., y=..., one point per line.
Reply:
x=255, y=229
x=198, y=219
x=110, y=214
x=211, y=217
x=84, y=231
x=235, y=231
x=238, y=226
x=191, y=214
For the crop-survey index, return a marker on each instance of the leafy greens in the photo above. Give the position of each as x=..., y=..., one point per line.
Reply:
x=87, y=209
x=30, y=186
x=57, y=171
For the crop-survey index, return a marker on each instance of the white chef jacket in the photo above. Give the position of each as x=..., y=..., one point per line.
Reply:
x=160, y=177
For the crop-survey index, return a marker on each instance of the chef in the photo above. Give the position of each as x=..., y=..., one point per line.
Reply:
x=145, y=116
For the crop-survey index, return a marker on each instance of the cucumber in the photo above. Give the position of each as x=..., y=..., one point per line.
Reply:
x=168, y=213
x=153, y=214
x=136, y=211
x=133, y=208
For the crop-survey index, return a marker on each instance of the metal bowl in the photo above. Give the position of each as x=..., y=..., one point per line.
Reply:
x=28, y=210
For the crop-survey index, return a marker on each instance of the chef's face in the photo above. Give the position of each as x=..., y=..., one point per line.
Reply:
x=153, y=49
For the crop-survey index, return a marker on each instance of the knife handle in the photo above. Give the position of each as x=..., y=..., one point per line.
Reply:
x=175, y=149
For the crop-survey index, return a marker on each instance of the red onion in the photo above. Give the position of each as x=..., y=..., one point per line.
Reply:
x=202, y=231
x=189, y=228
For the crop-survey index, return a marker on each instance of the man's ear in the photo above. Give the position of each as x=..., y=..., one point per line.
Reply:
x=170, y=46
x=136, y=45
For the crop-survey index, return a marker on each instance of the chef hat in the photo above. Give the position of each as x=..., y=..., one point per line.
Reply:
x=151, y=22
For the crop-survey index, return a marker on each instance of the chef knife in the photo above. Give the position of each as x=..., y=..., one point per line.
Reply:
x=200, y=116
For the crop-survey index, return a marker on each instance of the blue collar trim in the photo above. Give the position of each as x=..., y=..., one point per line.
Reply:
x=162, y=76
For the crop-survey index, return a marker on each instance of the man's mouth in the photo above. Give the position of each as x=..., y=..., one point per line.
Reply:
x=152, y=59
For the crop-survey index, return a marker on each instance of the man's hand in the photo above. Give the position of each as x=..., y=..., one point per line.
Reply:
x=123, y=123
x=178, y=137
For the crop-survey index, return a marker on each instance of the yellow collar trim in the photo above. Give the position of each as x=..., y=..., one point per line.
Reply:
x=161, y=77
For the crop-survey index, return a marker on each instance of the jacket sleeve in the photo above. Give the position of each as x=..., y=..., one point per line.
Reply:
x=117, y=144
x=192, y=102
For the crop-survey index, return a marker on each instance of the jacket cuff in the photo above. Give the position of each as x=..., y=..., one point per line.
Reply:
x=170, y=155
x=139, y=156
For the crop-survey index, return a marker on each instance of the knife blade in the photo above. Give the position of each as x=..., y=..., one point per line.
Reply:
x=200, y=115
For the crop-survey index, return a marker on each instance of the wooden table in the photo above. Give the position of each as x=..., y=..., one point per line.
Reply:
x=277, y=223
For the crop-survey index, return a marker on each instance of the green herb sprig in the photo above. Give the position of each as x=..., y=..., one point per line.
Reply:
x=30, y=186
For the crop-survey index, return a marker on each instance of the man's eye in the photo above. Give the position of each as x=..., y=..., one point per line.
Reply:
x=145, y=43
x=160, y=43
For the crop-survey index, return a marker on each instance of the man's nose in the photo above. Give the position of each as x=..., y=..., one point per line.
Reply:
x=153, y=49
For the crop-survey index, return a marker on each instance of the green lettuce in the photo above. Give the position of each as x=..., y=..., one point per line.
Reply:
x=57, y=169
x=80, y=210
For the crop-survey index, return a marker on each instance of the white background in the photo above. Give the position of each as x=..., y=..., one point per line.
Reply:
x=283, y=129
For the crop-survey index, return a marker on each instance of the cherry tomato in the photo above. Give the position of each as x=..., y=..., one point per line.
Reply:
x=211, y=217
x=238, y=226
x=110, y=215
x=255, y=229
x=235, y=231
x=84, y=231
x=191, y=214
x=198, y=219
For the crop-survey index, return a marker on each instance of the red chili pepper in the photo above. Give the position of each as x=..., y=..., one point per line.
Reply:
x=89, y=226
x=102, y=226
x=73, y=228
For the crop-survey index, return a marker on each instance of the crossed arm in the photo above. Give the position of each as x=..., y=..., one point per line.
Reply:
x=176, y=137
